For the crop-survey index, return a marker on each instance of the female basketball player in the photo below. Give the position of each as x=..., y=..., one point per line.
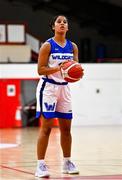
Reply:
x=53, y=94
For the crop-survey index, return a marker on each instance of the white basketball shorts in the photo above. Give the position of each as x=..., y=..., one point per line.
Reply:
x=53, y=100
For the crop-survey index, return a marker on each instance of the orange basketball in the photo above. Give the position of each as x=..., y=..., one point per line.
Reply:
x=72, y=71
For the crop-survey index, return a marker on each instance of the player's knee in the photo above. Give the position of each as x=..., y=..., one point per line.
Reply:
x=46, y=131
x=66, y=131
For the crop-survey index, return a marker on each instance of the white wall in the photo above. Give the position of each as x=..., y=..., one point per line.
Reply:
x=89, y=107
x=98, y=108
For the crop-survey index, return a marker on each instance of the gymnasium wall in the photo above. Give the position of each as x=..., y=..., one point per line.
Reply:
x=38, y=25
x=96, y=99
x=15, y=53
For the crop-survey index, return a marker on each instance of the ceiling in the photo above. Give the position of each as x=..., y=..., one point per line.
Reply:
x=103, y=15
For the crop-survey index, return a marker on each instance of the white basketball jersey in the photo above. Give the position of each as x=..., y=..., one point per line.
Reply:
x=59, y=54
x=53, y=92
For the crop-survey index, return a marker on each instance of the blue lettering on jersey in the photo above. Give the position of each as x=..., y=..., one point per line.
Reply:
x=59, y=57
x=49, y=107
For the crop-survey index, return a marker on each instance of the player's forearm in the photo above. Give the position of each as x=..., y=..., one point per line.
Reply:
x=48, y=70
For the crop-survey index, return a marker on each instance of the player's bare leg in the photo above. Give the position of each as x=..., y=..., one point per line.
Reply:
x=43, y=138
x=66, y=142
x=65, y=137
x=42, y=144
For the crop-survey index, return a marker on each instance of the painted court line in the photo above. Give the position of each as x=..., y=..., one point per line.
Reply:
x=102, y=177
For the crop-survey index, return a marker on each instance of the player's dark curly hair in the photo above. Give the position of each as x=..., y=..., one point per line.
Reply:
x=52, y=22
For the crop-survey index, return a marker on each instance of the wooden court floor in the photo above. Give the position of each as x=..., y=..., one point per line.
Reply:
x=97, y=151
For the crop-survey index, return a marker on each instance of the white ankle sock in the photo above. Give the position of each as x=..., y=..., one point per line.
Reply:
x=67, y=159
x=41, y=161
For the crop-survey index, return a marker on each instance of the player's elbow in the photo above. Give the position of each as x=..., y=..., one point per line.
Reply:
x=40, y=71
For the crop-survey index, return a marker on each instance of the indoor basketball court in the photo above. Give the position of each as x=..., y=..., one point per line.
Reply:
x=96, y=87
x=96, y=126
x=97, y=151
